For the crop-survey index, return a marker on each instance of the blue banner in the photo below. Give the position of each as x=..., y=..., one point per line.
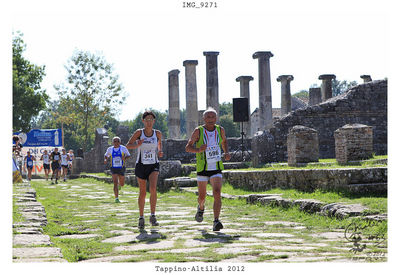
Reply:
x=41, y=137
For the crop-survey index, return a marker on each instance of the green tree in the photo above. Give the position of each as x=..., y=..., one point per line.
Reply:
x=232, y=129
x=28, y=97
x=92, y=93
x=57, y=116
x=303, y=95
x=339, y=87
x=160, y=124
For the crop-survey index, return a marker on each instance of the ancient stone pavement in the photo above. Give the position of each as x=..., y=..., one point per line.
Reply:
x=246, y=237
x=29, y=242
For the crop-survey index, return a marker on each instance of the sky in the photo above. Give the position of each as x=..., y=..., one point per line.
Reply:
x=146, y=41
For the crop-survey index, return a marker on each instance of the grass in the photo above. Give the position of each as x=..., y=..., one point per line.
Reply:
x=70, y=212
x=17, y=217
x=97, y=174
x=16, y=214
x=374, y=203
x=322, y=164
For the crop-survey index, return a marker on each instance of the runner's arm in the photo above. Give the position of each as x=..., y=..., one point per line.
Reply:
x=126, y=154
x=133, y=143
x=106, y=156
x=159, y=144
x=224, y=144
x=193, y=139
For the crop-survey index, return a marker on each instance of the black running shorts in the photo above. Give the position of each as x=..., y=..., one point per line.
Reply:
x=46, y=166
x=209, y=173
x=143, y=171
x=119, y=171
x=55, y=165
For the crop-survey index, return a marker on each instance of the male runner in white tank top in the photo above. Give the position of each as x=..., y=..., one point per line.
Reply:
x=207, y=141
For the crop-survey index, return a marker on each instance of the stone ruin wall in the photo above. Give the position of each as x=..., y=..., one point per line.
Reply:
x=363, y=104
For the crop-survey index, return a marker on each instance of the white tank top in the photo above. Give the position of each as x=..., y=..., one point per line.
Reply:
x=213, y=151
x=64, y=159
x=147, y=152
x=46, y=159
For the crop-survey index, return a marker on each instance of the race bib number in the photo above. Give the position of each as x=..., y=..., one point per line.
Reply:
x=148, y=157
x=30, y=163
x=213, y=154
x=117, y=162
x=56, y=157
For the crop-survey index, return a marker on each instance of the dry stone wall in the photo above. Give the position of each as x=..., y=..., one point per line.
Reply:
x=344, y=179
x=363, y=104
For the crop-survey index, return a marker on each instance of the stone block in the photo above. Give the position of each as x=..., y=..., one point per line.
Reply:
x=77, y=166
x=302, y=145
x=353, y=142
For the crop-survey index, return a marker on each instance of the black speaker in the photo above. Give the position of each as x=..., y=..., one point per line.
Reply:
x=241, y=109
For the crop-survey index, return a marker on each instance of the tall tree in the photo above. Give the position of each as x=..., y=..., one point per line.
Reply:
x=28, y=97
x=92, y=93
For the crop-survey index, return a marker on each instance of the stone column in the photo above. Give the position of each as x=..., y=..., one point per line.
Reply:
x=326, y=86
x=212, y=99
x=264, y=90
x=100, y=147
x=245, y=92
x=200, y=117
x=191, y=96
x=286, y=97
x=366, y=78
x=173, y=110
x=314, y=96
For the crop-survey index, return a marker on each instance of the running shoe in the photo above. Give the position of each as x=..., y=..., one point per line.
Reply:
x=199, y=214
x=65, y=179
x=153, y=220
x=117, y=200
x=141, y=223
x=217, y=226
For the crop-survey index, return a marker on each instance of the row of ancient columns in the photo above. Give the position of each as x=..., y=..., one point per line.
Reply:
x=318, y=95
x=193, y=116
x=212, y=97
